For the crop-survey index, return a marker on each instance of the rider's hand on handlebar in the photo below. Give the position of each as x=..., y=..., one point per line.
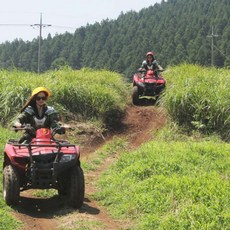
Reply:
x=160, y=69
x=60, y=130
x=17, y=125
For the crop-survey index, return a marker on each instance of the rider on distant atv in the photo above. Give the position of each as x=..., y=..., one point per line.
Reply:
x=150, y=63
x=36, y=113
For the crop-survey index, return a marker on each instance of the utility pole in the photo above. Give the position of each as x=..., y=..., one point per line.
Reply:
x=212, y=45
x=40, y=25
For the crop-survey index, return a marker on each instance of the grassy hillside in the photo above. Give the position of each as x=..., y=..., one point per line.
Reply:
x=6, y=219
x=199, y=98
x=86, y=93
x=171, y=184
x=174, y=181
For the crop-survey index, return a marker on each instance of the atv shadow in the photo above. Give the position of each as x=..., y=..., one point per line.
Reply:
x=49, y=208
x=86, y=208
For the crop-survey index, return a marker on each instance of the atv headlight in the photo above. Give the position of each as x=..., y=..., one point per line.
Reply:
x=68, y=157
x=140, y=84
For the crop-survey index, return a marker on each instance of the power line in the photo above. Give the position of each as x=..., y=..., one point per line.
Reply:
x=54, y=26
x=40, y=26
x=15, y=25
x=64, y=27
x=221, y=52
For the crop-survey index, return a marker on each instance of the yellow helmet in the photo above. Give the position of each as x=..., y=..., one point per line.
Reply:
x=34, y=92
x=40, y=89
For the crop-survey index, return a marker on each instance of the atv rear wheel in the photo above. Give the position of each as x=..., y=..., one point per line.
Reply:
x=77, y=187
x=135, y=95
x=11, y=188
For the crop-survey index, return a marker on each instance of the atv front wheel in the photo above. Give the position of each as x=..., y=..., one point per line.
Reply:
x=11, y=188
x=77, y=187
x=62, y=185
x=135, y=95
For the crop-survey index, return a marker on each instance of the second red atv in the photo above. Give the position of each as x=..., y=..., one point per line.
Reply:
x=43, y=163
x=146, y=84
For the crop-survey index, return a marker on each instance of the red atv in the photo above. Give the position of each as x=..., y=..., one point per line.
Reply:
x=146, y=84
x=43, y=163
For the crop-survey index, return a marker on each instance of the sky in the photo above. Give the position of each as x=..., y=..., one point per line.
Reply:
x=16, y=17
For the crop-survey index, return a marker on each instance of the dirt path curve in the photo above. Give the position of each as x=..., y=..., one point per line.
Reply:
x=53, y=213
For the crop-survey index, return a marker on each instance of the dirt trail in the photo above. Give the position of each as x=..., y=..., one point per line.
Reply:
x=53, y=213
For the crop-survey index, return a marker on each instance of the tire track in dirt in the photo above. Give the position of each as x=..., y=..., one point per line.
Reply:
x=53, y=213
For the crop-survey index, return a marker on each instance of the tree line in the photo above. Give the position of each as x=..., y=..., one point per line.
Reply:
x=176, y=30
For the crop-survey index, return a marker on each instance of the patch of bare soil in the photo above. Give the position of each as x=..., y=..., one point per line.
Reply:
x=140, y=122
x=53, y=213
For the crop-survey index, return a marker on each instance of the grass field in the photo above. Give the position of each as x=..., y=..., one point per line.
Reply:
x=171, y=184
x=84, y=93
x=6, y=220
x=179, y=181
x=198, y=98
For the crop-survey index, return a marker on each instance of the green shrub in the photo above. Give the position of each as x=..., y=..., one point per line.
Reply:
x=87, y=93
x=199, y=98
x=6, y=219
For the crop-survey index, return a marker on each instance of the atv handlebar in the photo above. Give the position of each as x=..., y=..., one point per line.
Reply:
x=141, y=70
x=61, y=129
x=160, y=70
x=22, y=127
x=28, y=127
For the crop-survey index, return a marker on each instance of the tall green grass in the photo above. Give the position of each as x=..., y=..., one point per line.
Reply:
x=7, y=221
x=86, y=93
x=171, y=185
x=89, y=94
x=198, y=98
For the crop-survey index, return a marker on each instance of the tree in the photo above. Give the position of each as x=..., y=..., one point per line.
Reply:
x=176, y=30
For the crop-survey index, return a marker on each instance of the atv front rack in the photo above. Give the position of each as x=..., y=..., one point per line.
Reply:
x=46, y=159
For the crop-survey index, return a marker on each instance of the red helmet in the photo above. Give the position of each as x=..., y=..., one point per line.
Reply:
x=150, y=53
